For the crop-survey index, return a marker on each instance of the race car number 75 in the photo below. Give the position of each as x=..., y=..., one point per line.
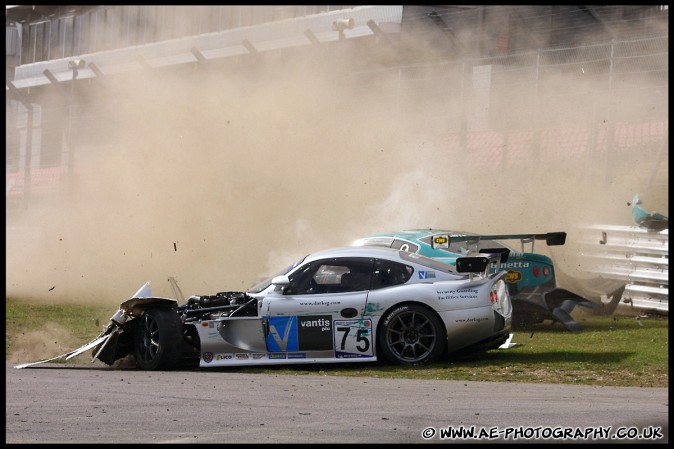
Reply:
x=353, y=338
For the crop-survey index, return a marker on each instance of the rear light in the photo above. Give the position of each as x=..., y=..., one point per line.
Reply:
x=546, y=271
x=493, y=296
x=537, y=271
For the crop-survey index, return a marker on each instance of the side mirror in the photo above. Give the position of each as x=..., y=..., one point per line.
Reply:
x=281, y=281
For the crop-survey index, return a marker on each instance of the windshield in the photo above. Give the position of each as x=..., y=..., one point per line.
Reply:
x=257, y=288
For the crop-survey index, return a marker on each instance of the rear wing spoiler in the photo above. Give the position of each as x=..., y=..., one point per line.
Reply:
x=481, y=264
x=443, y=240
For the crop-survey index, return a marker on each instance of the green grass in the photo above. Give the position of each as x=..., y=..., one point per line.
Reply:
x=82, y=323
x=617, y=351
x=610, y=350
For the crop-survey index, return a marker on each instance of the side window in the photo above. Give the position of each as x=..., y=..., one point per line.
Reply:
x=468, y=247
x=388, y=273
x=328, y=278
x=358, y=278
x=335, y=275
x=459, y=248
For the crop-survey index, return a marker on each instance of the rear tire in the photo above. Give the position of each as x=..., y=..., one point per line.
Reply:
x=158, y=340
x=412, y=335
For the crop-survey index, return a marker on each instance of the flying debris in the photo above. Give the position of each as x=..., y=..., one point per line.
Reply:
x=653, y=221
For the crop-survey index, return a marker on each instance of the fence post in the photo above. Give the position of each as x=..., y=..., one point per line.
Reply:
x=610, y=126
x=29, y=142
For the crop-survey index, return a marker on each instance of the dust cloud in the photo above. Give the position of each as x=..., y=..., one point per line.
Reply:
x=49, y=341
x=221, y=177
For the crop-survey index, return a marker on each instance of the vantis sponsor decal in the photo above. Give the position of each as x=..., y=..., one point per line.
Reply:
x=300, y=333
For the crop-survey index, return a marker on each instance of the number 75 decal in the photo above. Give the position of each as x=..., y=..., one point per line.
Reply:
x=353, y=338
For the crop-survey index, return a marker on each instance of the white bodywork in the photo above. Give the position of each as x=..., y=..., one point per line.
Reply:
x=330, y=322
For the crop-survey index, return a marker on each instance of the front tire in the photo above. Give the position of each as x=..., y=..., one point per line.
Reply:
x=412, y=335
x=158, y=340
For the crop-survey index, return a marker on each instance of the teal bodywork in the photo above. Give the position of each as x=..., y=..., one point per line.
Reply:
x=653, y=221
x=531, y=276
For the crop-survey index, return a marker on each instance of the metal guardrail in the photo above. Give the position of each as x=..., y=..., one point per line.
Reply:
x=636, y=256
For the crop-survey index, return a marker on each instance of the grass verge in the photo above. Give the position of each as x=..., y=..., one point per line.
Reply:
x=610, y=350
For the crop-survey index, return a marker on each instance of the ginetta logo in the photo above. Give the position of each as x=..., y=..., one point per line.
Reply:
x=208, y=357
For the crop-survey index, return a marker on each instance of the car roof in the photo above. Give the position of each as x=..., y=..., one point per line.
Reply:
x=378, y=252
x=421, y=233
x=356, y=251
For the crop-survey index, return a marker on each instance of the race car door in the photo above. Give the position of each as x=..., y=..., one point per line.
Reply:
x=320, y=313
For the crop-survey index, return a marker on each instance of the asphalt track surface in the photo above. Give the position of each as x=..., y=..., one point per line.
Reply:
x=92, y=403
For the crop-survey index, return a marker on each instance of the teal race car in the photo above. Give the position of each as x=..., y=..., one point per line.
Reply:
x=531, y=277
x=652, y=221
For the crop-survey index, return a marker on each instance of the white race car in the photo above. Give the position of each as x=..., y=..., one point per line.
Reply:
x=350, y=304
